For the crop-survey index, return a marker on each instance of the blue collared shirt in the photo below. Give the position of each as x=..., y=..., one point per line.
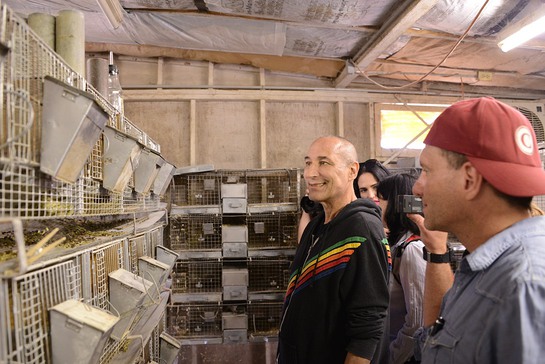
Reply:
x=495, y=310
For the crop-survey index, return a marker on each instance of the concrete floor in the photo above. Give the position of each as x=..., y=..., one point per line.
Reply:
x=240, y=353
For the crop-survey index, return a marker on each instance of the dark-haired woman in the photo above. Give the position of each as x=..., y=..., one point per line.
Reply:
x=371, y=172
x=408, y=268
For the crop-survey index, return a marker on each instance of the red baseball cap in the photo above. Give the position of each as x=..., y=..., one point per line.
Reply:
x=497, y=139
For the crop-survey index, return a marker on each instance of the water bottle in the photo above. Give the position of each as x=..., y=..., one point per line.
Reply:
x=115, y=92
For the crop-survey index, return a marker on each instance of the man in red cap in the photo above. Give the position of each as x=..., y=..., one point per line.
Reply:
x=480, y=170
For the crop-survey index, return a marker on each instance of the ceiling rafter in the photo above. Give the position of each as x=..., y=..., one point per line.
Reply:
x=384, y=37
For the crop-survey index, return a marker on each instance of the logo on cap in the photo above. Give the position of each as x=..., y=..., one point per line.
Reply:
x=524, y=140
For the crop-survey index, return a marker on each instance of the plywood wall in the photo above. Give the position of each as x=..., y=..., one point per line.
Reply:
x=228, y=133
x=240, y=117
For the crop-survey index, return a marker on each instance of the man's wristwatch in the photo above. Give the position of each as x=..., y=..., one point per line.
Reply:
x=438, y=258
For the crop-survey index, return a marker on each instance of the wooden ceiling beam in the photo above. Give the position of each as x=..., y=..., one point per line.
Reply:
x=390, y=31
x=318, y=67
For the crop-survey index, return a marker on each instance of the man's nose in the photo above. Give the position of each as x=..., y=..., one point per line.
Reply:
x=417, y=187
x=310, y=170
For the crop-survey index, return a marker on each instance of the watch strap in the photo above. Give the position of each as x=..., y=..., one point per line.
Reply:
x=437, y=258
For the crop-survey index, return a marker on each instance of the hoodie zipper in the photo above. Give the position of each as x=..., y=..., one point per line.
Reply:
x=314, y=241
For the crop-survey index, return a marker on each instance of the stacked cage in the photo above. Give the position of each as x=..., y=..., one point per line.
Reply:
x=65, y=300
x=58, y=136
x=31, y=302
x=235, y=232
x=195, y=234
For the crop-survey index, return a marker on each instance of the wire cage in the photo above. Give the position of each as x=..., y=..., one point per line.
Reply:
x=25, y=191
x=24, y=319
x=27, y=62
x=137, y=248
x=81, y=274
x=272, y=230
x=268, y=275
x=230, y=176
x=154, y=238
x=264, y=318
x=104, y=261
x=275, y=186
x=186, y=321
x=195, y=232
x=197, y=276
x=154, y=343
x=199, y=189
x=407, y=170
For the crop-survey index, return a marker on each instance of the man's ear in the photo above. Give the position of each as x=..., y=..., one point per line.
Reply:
x=473, y=180
x=354, y=168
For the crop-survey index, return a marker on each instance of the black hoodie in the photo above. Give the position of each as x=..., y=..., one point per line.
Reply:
x=337, y=296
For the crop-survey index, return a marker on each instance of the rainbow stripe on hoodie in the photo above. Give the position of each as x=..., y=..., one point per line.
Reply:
x=324, y=263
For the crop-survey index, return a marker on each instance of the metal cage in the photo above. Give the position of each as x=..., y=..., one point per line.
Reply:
x=197, y=276
x=268, y=275
x=26, y=192
x=81, y=274
x=200, y=189
x=137, y=248
x=264, y=318
x=104, y=261
x=194, y=320
x=195, y=232
x=272, y=230
x=26, y=299
x=276, y=186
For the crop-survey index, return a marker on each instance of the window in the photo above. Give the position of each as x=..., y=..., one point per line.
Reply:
x=404, y=128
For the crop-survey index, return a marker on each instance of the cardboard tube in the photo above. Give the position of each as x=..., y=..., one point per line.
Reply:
x=44, y=26
x=70, y=39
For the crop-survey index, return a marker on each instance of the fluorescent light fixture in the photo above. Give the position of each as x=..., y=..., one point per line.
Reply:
x=113, y=11
x=522, y=31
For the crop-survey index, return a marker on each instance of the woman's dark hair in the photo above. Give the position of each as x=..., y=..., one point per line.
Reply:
x=374, y=167
x=388, y=189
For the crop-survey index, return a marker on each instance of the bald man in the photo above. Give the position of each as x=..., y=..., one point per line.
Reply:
x=337, y=296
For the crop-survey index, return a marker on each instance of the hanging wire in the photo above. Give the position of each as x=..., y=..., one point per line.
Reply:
x=460, y=39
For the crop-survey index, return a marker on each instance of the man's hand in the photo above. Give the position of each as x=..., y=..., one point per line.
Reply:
x=439, y=277
x=435, y=241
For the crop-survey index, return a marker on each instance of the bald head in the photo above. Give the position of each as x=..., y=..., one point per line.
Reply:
x=340, y=146
x=330, y=169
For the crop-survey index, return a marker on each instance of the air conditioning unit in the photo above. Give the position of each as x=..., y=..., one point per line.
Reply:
x=534, y=112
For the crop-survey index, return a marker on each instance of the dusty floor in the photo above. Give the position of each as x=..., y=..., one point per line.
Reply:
x=240, y=353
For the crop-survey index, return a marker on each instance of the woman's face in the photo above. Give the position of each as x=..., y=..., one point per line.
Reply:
x=367, y=183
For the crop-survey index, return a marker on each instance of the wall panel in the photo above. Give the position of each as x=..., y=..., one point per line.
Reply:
x=292, y=126
x=167, y=123
x=227, y=134
x=357, y=129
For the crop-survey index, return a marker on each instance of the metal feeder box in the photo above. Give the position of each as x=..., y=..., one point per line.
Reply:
x=235, y=284
x=234, y=198
x=128, y=293
x=163, y=178
x=121, y=155
x=165, y=255
x=231, y=320
x=235, y=241
x=169, y=349
x=153, y=270
x=148, y=168
x=72, y=122
x=79, y=332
